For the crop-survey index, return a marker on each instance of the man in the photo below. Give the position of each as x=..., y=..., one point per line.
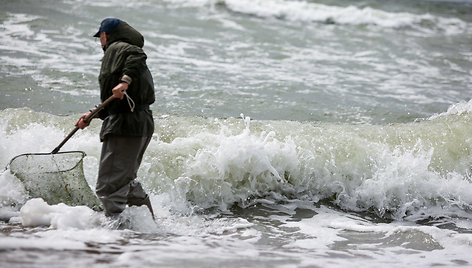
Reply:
x=127, y=121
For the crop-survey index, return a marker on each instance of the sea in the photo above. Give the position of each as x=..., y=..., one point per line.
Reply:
x=288, y=133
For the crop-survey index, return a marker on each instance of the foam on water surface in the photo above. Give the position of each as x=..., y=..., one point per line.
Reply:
x=306, y=11
x=394, y=171
x=330, y=237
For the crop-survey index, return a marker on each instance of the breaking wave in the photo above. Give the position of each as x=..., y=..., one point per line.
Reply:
x=303, y=11
x=419, y=169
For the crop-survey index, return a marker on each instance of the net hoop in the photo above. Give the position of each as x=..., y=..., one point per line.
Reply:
x=44, y=154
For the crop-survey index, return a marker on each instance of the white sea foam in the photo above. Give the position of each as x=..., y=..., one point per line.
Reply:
x=335, y=232
x=12, y=193
x=42, y=53
x=305, y=11
x=394, y=171
x=313, y=240
x=196, y=163
x=36, y=212
x=460, y=108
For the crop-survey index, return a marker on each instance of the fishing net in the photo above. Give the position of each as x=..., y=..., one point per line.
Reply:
x=56, y=178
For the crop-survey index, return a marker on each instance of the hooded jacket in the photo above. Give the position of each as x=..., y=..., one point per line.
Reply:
x=124, y=57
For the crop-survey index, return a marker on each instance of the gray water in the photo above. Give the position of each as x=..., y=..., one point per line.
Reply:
x=359, y=62
x=288, y=133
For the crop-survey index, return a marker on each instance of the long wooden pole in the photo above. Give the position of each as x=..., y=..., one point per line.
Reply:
x=87, y=119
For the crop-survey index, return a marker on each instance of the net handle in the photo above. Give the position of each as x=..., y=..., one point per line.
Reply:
x=93, y=113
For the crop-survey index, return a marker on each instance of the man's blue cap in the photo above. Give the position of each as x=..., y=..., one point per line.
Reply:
x=107, y=26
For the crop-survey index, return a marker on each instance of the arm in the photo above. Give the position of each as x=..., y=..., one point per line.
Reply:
x=134, y=60
x=134, y=63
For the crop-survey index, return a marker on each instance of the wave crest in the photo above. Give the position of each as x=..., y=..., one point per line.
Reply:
x=395, y=171
x=303, y=11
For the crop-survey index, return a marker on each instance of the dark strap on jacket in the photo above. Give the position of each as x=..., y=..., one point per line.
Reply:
x=142, y=107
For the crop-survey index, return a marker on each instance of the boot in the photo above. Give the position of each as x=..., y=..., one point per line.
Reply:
x=145, y=201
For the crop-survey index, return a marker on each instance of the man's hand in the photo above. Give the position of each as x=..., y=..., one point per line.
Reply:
x=81, y=123
x=119, y=89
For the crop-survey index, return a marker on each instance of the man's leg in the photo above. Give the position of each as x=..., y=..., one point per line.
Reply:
x=119, y=163
x=137, y=196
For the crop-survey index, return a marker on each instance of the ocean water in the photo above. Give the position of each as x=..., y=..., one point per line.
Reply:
x=288, y=133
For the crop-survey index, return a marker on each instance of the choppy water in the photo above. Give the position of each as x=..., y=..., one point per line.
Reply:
x=354, y=147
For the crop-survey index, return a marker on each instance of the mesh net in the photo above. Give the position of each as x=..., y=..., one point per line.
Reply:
x=56, y=178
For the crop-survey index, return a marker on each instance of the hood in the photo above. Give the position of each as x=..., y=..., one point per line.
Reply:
x=125, y=33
